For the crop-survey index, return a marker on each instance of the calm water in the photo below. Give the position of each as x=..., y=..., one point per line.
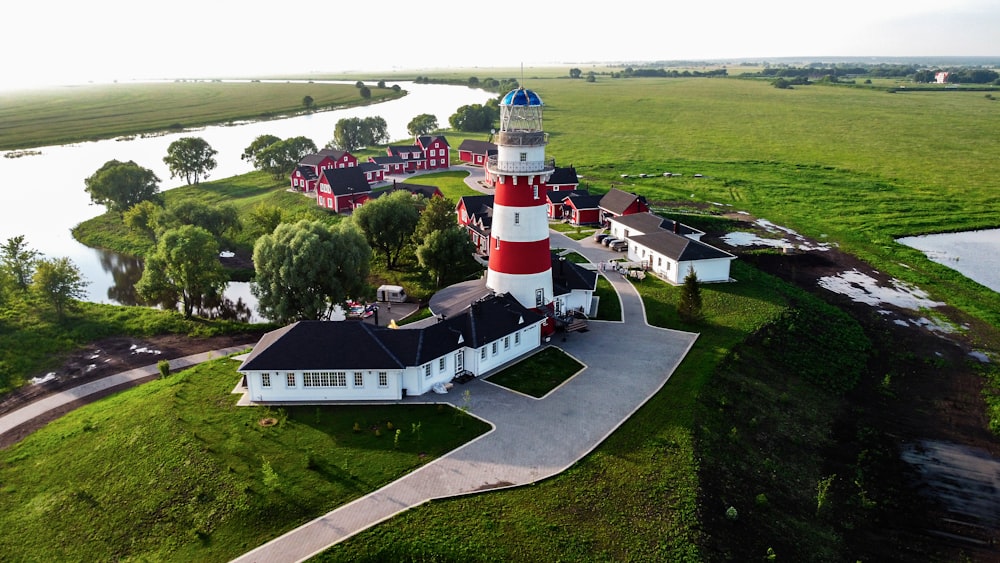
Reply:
x=974, y=254
x=42, y=196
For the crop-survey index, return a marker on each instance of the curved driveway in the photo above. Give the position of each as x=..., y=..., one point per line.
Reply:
x=626, y=363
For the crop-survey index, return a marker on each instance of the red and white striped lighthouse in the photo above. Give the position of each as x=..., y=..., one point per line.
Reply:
x=520, y=262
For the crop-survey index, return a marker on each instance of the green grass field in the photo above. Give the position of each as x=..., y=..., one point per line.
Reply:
x=83, y=113
x=539, y=373
x=174, y=471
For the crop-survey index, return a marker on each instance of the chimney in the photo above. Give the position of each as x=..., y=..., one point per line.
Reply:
x=677, y=228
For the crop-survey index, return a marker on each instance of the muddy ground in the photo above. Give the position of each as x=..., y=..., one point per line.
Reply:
x=103, y=358
x=937, y=417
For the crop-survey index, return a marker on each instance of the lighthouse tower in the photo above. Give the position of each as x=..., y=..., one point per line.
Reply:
x=520, y=262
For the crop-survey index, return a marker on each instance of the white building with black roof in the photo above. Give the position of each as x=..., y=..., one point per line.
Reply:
x=319, y=361
x=670, y=249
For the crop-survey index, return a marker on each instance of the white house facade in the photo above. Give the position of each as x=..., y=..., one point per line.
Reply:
x=670, y=249
x=320, y=361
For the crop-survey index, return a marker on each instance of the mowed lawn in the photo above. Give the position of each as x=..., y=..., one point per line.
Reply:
x=77, y=113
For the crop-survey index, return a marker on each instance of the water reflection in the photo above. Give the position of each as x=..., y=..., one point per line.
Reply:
x=126, y=270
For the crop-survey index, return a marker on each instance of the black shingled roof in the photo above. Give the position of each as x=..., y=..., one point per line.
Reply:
x=565, y=175
x=477, y=147
x=348, y=345
x=347, y=181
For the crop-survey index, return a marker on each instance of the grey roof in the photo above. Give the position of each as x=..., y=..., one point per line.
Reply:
x=677, y=247
x=347, y=181
x=617, y=201
x=565, y=175
x=335, y=153
x=477, y=147
x=369, y=166
x=347, y=345
x=387, y=160
x=395, y=150
x=649, y=222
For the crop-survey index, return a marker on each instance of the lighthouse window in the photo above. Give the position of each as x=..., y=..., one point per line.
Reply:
x=524, y=157
x=517, y=218
x=539, y=297
x=534, y=190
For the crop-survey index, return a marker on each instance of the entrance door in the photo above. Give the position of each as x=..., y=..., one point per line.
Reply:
x=459, y=362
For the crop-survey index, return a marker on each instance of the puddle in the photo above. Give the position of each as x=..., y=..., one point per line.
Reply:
x=39, y=380
x=973, y=254
x=863, y=288
x=788, y=238
x=144, y=350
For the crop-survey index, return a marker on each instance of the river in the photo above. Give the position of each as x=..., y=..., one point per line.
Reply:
x=42, y=195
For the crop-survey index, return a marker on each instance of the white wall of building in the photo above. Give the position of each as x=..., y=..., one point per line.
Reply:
x=279, y=389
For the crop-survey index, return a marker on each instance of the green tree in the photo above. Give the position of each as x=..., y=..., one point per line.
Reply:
x=216, y=219
x=447, y=251
x=258, y=144
x=591, y=77
x=262, y=219
x=191, y=158
x=307, y=101
x=306, y=268
x=381, y=84
x=59, y=282
x=184, y=269
x=353, y=133
x=689, y=303
x=143, y=217
x=437, y=215
x=120, y=185
x=474, y=117
x=422, y=124
x=18, y=261
x=365, y=92
x=388, y=223
x=575, y=73
x=280, y=158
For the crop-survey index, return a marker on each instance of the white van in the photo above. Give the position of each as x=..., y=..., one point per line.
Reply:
x=391, y=293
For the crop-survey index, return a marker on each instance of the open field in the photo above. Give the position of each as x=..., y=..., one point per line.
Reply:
x=174, y=471
x=83, y=113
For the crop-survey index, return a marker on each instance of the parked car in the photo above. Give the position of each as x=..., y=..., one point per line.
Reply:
x=619, y=246
x=609, y=240
x=599, y=237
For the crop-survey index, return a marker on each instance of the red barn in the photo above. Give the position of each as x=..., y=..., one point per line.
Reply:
x=476, y=152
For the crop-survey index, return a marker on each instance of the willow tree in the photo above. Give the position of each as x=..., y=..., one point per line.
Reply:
x=184, y=269
x=305, y=269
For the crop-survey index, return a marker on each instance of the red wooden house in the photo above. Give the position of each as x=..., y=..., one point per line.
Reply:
x=617, y=202
x=555, y=202
x=475, y=213
x=342, y=189
x=306, y=175
x=391, y=164
x=437, y=151
x=304, y=179
x=581, y=209
x=374, y=173
x=476, y=152
x=411, y=156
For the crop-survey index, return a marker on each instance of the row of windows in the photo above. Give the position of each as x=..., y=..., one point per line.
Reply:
x=325, y=379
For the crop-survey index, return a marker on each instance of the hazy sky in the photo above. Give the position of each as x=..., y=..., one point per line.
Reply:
x=62, y=41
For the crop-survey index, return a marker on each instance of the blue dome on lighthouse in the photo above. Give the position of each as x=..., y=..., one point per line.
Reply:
x=521, y=97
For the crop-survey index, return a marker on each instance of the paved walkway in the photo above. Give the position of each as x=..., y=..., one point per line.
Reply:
x=576, y=418
x=30, y=411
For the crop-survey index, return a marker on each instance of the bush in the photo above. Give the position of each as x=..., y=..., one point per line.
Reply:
x=164, y=367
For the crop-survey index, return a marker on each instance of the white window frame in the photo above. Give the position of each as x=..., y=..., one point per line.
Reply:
x=290, y=380
x=383, y=379
x=359, y=379
x=482, y=354
x=265, y=379
x=495, y=346
x=506, y=342
x=517, y=338
x=442, y=363
x=427, y=371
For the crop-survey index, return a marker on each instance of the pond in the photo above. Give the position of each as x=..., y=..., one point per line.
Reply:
x=974, y=254
x=42, y=194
